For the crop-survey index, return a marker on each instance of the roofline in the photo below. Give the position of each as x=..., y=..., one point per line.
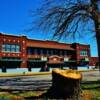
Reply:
x=12, y=35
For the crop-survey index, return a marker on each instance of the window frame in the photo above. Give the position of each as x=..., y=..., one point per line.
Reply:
x=11, y=48
x=83, y=52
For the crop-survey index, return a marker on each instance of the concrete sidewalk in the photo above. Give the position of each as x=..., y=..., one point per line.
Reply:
x=34, y=73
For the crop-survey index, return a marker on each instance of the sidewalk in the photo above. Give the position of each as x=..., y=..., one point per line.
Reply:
x=33, y=73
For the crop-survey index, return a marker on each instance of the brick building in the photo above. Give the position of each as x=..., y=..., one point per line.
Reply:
x=93, y=61
x=21, y=52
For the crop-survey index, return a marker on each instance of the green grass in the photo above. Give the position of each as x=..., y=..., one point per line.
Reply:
x=31, y=93
x=19, y=96
x=10, y=97
x=93, y=88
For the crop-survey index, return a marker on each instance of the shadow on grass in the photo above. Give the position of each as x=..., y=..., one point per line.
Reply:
x=90, y=85
x=50, y=94
x=91, y=82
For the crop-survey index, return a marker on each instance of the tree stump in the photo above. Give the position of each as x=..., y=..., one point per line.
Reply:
x=65, y=84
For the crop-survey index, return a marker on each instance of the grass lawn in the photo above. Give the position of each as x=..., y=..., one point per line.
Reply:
x=92, y=88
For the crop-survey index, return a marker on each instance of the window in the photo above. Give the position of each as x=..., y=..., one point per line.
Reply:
x=47, y=52
x=41, y=51
x=35, y=51
x=29, y=51
x=65, y=52
x=10, y=48
x=50, y=52
x=38, y=51
x=13, y=48
x=60, y=52
x=17, y=48
x=44, y=51
x=83, y=53
x=3, y=48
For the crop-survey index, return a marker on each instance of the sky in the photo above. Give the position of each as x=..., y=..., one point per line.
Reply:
x=15, y=18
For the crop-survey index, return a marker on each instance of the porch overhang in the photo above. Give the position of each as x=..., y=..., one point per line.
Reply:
x=11, y=59
x=33, y=60
x=55, y=62
x=84, y=60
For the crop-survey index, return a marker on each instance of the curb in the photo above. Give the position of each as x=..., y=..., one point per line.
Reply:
x=24, y=74
x=88, y=70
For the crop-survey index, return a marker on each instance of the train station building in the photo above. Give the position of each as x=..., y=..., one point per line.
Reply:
x=21, y=52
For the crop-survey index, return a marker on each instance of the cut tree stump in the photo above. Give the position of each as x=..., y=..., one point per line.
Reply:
x=65, y=84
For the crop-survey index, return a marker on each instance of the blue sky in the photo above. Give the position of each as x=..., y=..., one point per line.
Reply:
x=15, y=16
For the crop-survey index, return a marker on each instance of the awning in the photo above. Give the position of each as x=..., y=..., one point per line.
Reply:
x=11, y=59
x=71, y=61
x=84, y=60
x=32, y=60
x=55, y=62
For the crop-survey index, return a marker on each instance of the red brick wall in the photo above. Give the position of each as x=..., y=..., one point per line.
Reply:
x=93, y=61
x=78, y=47
x=10, y=39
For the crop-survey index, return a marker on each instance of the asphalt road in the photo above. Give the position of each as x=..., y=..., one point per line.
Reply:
x=36, y=83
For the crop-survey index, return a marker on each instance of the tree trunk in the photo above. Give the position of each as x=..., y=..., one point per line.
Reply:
x=98, y=46
x=96, y=18
x=97, y=28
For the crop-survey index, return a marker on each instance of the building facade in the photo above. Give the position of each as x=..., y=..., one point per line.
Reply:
x=21, y=52
x=94, y=61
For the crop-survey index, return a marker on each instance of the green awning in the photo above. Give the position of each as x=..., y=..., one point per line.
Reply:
x=9, y=59
x=33, y=60
x=84, y=60
x=70, y=61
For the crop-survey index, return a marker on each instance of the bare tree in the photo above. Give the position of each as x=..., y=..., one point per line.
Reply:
x=65, y=17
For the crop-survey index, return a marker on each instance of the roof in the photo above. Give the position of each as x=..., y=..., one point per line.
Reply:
x=48, y=44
